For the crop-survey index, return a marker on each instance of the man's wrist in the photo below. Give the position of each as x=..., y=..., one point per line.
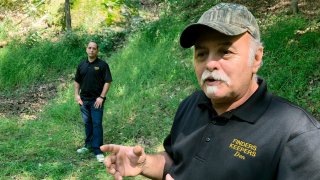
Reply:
x=104, y=98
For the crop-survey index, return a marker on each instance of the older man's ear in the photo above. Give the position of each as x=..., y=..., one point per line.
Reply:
x=257, y=63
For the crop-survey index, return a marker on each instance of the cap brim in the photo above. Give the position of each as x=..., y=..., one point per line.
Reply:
x=190, y=34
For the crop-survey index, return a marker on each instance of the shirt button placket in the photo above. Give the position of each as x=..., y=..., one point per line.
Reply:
x=208, y=138
x=206, y=141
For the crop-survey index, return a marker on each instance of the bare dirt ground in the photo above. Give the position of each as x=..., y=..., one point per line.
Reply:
x=27, y=103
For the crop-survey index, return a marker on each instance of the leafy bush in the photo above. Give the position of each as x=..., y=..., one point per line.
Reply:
x=37, y=60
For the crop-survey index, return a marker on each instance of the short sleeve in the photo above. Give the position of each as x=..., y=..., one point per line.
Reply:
x=108, y=76
x=301, y=157
x=77, y=76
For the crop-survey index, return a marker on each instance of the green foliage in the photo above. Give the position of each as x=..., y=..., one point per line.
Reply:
x=120, y=11
x=190, y=10
x=39, y=60
x=4, y=28
x=33, y=61
x=30, y=7
x=11, y=4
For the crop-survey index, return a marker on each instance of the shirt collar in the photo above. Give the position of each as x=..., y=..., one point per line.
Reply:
x=96, y=60
x=249, y=111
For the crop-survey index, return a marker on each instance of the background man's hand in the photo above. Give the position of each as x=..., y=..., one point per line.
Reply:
x=98, y=103
x=79, y=101
x=124, y=160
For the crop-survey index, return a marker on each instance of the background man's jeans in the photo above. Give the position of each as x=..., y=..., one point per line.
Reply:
x=92, y=118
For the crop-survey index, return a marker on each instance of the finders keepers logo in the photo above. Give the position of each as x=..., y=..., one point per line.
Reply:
x=243, y=149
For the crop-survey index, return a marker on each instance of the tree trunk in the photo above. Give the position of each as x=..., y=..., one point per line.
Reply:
x=294, y=6
x=68, y=15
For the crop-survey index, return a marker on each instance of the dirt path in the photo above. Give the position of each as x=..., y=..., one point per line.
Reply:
x=28, y=103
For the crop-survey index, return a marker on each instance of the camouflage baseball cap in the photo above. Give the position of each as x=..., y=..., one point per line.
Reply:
x=227, y=18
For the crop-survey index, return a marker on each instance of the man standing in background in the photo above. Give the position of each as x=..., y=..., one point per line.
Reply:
x=92, y=82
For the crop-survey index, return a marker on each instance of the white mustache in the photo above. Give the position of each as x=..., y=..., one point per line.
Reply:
x=216, y=75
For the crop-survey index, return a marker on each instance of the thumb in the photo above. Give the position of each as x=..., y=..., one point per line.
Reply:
x=138, y=150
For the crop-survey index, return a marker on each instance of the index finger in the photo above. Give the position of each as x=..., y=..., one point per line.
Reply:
x=112, y=148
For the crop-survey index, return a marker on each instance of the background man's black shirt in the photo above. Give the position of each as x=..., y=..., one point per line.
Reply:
x=92, y=77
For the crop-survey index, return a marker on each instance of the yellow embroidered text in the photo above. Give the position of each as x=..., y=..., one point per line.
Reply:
x=243, y=148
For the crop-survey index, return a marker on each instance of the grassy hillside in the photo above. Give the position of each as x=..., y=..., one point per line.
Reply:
x=152, y=74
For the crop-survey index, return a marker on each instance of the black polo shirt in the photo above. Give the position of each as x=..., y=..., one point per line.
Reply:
x=265, y=138
x=92, y=76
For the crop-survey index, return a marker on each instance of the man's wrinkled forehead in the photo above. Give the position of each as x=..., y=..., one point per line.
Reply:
x=92, y=45
x=215, y=36
x=200, y=45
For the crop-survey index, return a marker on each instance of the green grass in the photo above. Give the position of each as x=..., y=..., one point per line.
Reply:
x=45, y=150
x=291, y=63
x=151, y=73
x=149, y=82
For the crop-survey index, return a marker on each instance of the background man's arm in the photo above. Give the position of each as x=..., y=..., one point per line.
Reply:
x=99, y=100
x=76, y=92
x=105, y=89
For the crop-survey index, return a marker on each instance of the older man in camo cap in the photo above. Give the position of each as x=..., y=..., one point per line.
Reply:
x=232, y=128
